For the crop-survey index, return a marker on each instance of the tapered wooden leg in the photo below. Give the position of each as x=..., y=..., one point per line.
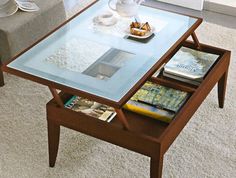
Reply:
x=1, y=78
x=53, y=141
x=156, y=167
x=221, y=89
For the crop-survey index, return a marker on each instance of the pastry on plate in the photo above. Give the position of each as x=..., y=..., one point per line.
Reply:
x=139, y=29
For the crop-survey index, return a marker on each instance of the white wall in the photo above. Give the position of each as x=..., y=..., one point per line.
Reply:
x=193, y=4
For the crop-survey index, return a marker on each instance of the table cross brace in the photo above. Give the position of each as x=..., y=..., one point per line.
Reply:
x=56, y=97
x=122, y=118
x=196, y=41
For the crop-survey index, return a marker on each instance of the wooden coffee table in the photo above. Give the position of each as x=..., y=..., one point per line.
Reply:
x=62, y=58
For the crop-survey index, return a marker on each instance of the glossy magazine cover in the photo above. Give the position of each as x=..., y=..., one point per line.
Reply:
x=190, y=64
x=91, y=108
x=160, y=96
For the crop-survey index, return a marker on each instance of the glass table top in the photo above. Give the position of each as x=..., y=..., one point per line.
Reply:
x=100, y=60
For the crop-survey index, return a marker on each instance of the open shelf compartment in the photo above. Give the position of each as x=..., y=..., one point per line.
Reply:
x=161, y=79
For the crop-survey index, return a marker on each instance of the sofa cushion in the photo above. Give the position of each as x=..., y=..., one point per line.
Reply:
x=19, y=31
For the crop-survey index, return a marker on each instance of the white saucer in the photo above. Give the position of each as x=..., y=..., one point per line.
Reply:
x=105, y=19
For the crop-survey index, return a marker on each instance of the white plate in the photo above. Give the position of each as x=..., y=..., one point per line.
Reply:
x=148, y=34
x=105, y=19
x=104, y=22
x=27, y=6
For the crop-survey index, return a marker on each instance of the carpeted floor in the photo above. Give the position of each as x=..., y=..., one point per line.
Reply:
x=205, y=149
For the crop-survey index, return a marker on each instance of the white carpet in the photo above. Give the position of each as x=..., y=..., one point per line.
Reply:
x=205, y=148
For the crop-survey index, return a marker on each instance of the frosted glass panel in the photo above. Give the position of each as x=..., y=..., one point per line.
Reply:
x=101, y=60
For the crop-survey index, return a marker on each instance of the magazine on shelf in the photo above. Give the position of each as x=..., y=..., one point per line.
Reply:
x=157, y=101
x=189, y=64
x=182, y=79
x=91, y=108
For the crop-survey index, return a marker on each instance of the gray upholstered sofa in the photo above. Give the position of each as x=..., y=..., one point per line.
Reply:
x=22, y=29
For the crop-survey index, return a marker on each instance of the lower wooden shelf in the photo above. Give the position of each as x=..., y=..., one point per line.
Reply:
x=143, y=125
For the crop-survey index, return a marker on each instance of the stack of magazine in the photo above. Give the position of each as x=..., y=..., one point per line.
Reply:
x=189, y=65
x=157, y=101
x=91, y=108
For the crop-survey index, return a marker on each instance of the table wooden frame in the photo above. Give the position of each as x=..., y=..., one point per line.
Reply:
x=132, y=137
x=129, y=130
